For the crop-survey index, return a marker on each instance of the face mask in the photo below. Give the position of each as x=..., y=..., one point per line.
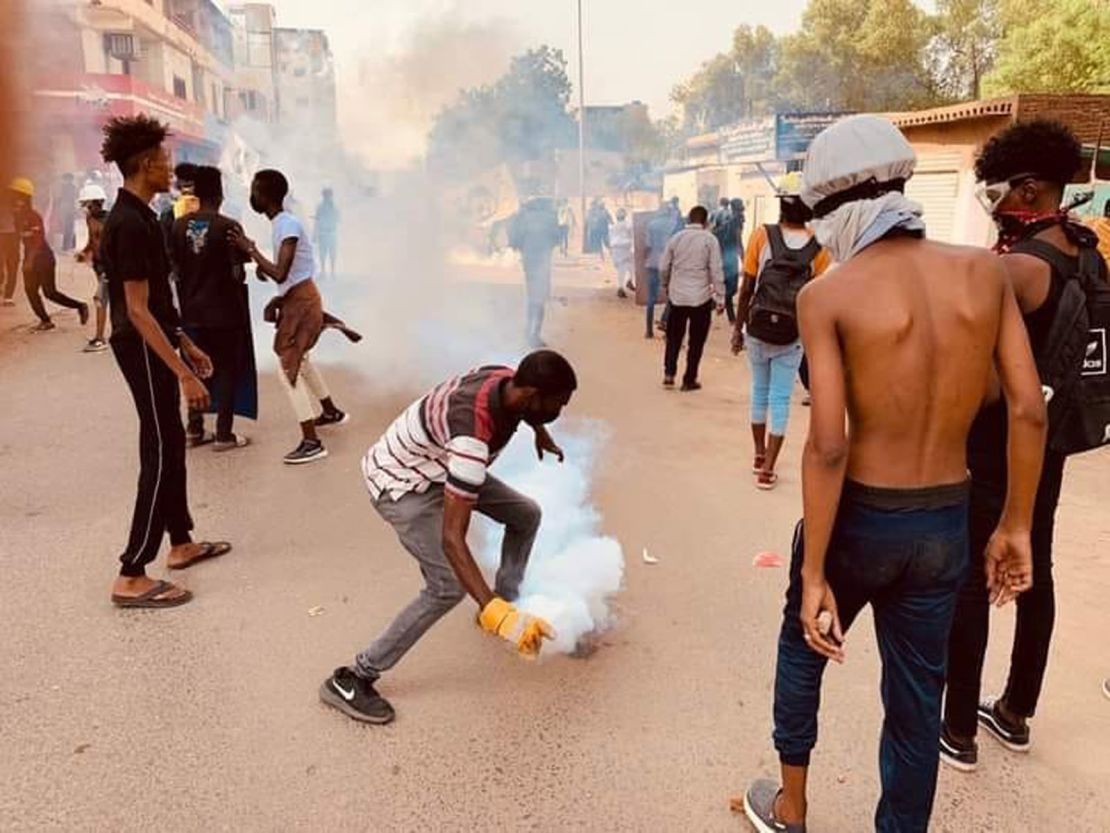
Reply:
x=1014, y=226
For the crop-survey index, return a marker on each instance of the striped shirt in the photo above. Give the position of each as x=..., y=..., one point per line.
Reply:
x=449, y=437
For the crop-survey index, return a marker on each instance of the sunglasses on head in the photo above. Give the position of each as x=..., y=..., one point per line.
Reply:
x=992, y=194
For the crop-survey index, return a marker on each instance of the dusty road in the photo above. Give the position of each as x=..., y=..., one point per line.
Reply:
x=206, y=718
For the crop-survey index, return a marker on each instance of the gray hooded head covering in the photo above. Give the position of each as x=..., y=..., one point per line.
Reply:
x=850, y=154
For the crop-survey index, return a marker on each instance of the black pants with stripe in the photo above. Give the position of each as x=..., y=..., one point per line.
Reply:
x=161, y=505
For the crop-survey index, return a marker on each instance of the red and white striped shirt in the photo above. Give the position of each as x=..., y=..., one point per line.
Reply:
x=450, y=437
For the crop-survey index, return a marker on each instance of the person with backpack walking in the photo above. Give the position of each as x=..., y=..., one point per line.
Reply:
x=1060, y=282
x=781, y=259
x=693, y=283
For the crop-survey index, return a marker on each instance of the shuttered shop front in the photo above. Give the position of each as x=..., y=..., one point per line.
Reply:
x=935, y=185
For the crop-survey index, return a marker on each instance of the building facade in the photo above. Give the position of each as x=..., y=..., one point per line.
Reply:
x=172, y=59
x=304, y=77
x=253, y=48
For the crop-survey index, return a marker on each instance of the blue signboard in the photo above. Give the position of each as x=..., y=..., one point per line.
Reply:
x=795, y=131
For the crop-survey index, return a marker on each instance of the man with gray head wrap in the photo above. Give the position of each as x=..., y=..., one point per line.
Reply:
x=903, y=338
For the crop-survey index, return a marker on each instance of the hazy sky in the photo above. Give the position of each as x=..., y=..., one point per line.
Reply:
x=634, y=48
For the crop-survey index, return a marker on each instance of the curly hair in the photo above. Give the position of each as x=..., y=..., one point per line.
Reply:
x=1042, y=147
x=127, y=138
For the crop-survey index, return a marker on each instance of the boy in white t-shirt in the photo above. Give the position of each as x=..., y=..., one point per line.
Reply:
x=299, y=313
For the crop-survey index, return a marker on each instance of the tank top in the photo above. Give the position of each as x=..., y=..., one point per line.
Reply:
x=986, y=441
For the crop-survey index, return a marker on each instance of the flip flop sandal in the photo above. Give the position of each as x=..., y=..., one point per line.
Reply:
x=230, y=445
x=150, y=600
x=758, y=463
x=207, y=550
x=196, y=440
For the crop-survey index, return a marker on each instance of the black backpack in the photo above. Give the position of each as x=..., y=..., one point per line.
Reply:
x=774, y=311
x=1073, y=361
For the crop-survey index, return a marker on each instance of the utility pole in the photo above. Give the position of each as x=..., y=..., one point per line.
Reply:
x=581, y=128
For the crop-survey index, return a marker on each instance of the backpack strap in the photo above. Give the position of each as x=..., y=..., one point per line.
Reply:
x=775, y=240
x=1059, y=262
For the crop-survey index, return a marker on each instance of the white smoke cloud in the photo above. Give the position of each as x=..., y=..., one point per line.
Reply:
x=574, y=569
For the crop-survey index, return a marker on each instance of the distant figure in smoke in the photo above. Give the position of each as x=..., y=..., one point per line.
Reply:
x=299, y=313
x=659, y=231
x=215, y=311
x=65, y=212
x=146, y=335
x=534, y=232
x=725, y=225
x=92, y=199
x=9, y=248
x=694, y=283
x=326, y=232
x=567, y=223
x=39, y=264
x=598, y=222
x=622, y=252
x=427, y=476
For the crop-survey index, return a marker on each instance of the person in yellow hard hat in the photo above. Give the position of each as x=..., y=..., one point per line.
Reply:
x=9, y=246
x=39, y=264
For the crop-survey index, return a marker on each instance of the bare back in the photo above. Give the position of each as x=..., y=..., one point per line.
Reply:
x=918, y=325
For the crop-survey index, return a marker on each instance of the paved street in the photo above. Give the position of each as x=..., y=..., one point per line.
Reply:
x=206, y=717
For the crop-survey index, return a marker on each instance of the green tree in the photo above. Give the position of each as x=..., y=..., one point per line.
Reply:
x=522, y=116
x=1052, y=46
x=732, y=85
x=965, y=45
x=857, y=55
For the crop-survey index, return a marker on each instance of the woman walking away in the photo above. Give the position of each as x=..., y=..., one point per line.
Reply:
x=780, y=260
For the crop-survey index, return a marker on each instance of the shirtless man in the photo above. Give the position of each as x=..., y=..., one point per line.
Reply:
x=886, y=500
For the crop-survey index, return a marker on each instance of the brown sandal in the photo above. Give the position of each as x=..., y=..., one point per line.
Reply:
x=150, y=599
x=207, y=550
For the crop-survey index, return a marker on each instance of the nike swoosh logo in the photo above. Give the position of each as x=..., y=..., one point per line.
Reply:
x=344, y=693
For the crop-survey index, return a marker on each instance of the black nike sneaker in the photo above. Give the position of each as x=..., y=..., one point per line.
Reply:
x=329, y=418
x=1014, y=736
x=355, y=697
x=960, y=755
x=306, y=452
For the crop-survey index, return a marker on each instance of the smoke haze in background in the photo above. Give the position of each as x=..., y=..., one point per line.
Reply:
x=574, y=569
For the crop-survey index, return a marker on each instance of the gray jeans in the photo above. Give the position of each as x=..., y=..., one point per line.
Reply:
x=418, y=521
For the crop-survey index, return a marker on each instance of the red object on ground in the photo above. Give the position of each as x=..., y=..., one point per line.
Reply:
x=767, y=559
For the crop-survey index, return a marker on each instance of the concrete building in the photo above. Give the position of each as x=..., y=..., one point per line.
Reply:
x=305, y=79
x=947, y=138
x=253, y=48
x=172, y=59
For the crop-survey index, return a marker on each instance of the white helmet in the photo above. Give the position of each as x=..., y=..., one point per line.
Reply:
x=92, y=192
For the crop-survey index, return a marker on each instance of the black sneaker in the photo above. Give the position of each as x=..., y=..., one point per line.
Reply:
x=1014, y=737
x=96, y=345
x=691, y=386
x=306, y=452
x=355, y=697
x=960, y=755
x=336, y=417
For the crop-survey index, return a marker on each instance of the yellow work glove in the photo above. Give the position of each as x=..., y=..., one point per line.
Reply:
x=524, y=630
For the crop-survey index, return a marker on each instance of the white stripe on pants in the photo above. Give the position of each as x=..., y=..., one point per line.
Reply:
x=309, y=390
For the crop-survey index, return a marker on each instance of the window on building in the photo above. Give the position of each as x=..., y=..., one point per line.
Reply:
x=179, y=88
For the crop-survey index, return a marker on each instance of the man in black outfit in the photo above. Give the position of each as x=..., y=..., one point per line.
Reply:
x=1024, y=170
x=146, y=335
x=211, y=288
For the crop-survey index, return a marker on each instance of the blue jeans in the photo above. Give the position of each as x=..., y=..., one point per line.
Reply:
x=904, y=552
x=655, y=284
x=773, y=370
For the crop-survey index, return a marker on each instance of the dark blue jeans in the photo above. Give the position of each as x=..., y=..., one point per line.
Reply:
x=905, y=553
